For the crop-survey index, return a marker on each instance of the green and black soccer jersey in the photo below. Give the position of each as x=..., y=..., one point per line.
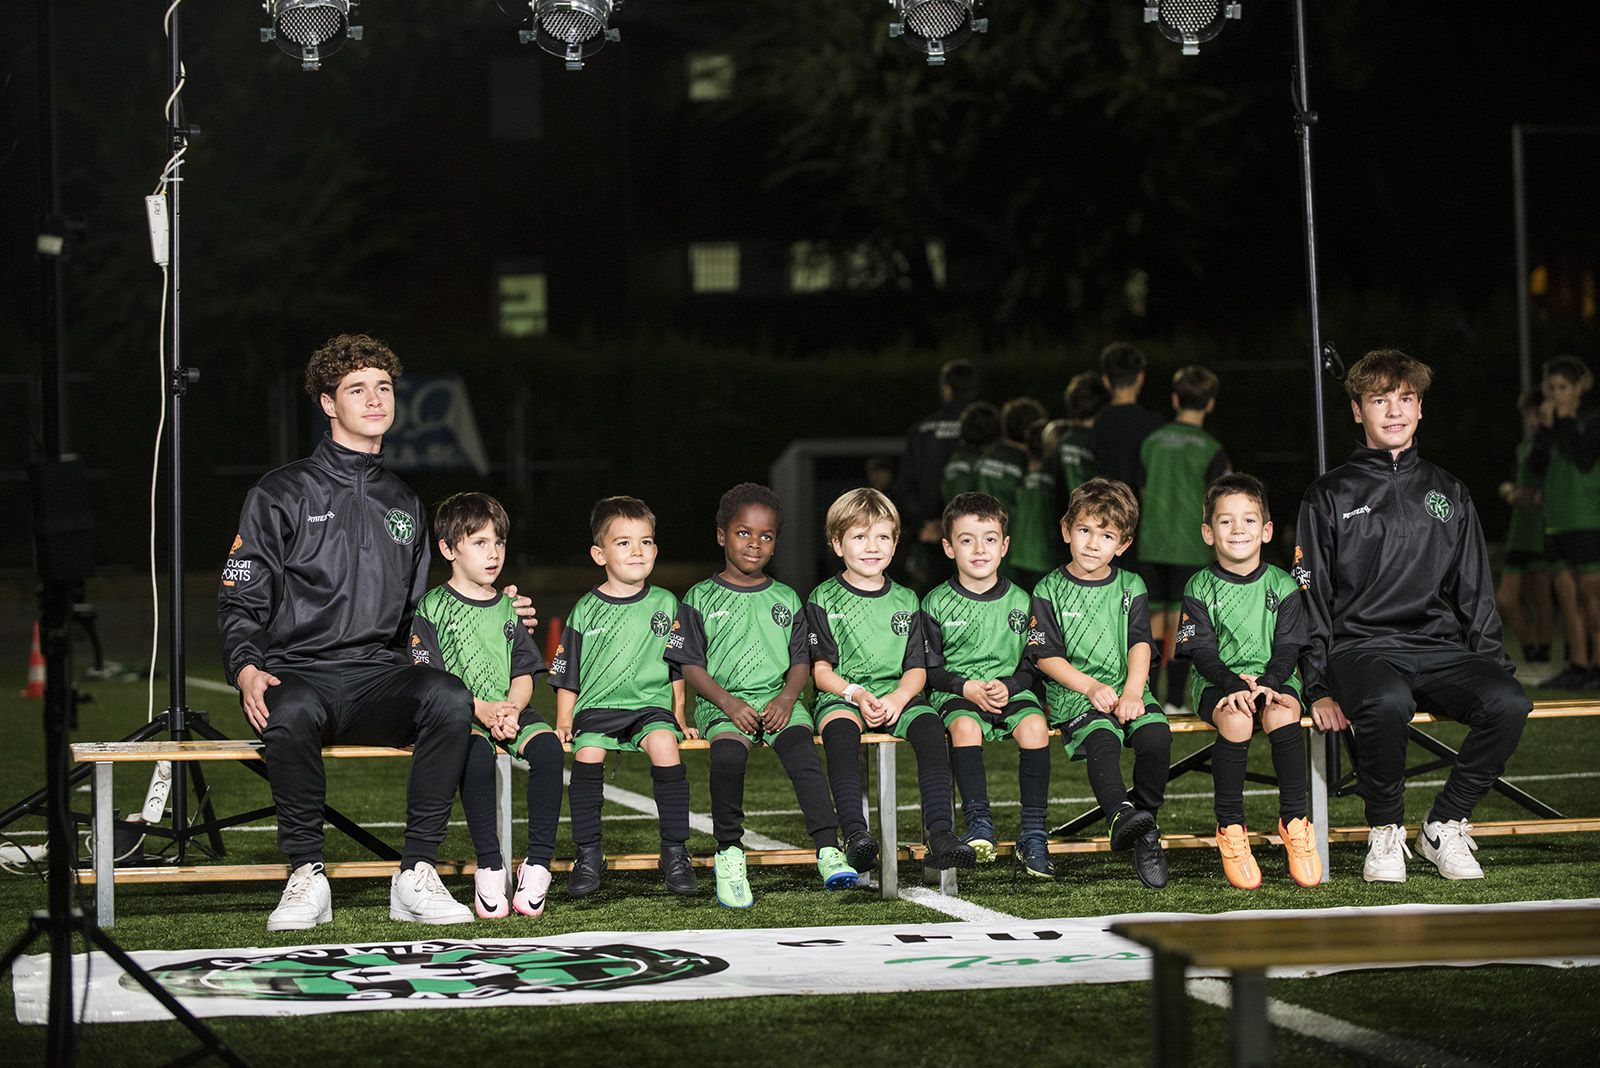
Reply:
x=1076, y=457
x=1035, y=530
x=1526, y=532
x=1572, y=474
x=612, y=650
x=1179, y=462
x=976, y=637
x=745, y=637
x=482, y=643
x=1000, y=473
x=1092, y=625
x=1235, y=625
x=960, y=473
x=871, y=637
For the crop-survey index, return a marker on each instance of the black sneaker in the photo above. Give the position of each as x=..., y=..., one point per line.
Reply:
x=677, y=870
x=1592, y=683
x=980, y=836
x=587, y=867
x=861, y=850
x=945, y=850
x=1149, y=859
x=1127, y=824
x=1571, y=677
x=1033, y=853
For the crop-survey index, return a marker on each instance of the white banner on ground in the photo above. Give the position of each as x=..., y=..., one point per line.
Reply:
x=611, y=966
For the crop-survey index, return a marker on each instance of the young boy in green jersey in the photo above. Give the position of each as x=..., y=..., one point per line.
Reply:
x=469, y=628
x=1090, y=637
x=740, y=640
x=1033, y=524
x=980, y=428
x=1244, y=629
x=1525, y=594
x=1178, y=461
x=977, y=624
x=615, y=691
x=1567, y=453
x=868, y=661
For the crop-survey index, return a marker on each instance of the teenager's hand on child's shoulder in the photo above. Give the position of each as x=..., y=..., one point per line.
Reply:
x=524, y=606
x=1327, y=715
x=744, y=717
x=253, y=683
x=776, y=715
x=1128, y=709
x=1103, y=698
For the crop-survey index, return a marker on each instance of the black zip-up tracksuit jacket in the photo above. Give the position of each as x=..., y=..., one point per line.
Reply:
x=1391, y=556
x=328, y=565
x=928, y=448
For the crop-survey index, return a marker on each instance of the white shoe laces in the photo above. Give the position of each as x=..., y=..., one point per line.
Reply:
x=428, y=883
x=300, y=886
x=1387, y=840
x=1454, y=834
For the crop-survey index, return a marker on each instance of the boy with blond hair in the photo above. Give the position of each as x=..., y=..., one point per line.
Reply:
x=868, y=660
x=1090, y=637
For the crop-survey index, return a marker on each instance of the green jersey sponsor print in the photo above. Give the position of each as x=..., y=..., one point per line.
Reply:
x=975, y=636
x=482, y=643
x=746, y=638
x=871, y=637
x=1179, y=462
x=1235, y=625
x=612, y=648
x=1092, y=625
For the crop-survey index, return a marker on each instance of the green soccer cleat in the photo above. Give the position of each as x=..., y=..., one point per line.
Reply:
x=836, y=872
x=733, y=888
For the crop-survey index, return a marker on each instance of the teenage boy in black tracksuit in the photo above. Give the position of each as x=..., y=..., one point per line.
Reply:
x=315, y=608
x=1401, y=608
x=929, y=444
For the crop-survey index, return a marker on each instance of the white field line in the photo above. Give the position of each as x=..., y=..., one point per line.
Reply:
x=954, y=907
x=1388, y=1049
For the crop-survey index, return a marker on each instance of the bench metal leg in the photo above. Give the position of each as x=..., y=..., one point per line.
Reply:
x=888, y=823
x=502, y=807
x=105, y=886
x=1249, y=1040
x=1449, y=757
x=1321, y=748
x=1169, y=1011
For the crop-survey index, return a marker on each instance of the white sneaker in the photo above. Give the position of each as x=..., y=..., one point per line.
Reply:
x=1450, y=846
x=533, y=886
x=307, y=901
x=419, y=897
x=1386, y=854
x=489, y=894
x=1174, y=710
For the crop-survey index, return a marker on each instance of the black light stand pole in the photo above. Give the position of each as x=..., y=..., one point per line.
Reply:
x=1322, y=359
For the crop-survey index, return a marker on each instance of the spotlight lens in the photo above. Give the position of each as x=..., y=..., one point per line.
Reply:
x=937, y=19
x=310, y=26
x=1191, y=17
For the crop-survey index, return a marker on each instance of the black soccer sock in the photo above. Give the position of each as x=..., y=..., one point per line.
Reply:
x=799, y=756
x=585, y=795
x=1152, y=752
x=544, y=757
x=966, y=763
x=1177, y=682
x=1033, y=776
x=841, y=740
x=1102, y=755
x=671, y=788
x=1228, y=762
x=1289, y=765
x=926, y=735
x=728, y=759
x=477, y=801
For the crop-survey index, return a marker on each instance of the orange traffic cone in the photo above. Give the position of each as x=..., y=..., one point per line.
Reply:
x=35, y=688
x=552, y=639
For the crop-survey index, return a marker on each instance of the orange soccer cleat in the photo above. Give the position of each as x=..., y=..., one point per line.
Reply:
x=1238, y=864
x=1299, y=841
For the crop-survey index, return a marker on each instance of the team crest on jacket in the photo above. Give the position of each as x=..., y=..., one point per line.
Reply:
x=1438, y=506
x=781, y=615
x=1017, y=620
x=900, y=623
x=660, y=624
x=402, y=528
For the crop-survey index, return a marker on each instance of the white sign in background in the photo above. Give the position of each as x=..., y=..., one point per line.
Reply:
x=593, y=967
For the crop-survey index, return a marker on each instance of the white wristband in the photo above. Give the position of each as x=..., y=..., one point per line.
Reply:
x=849, y=691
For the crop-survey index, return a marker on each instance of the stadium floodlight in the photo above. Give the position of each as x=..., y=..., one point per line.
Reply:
x=310, y=30
x=935, y=27
x=1190, y=23
x=572, y=29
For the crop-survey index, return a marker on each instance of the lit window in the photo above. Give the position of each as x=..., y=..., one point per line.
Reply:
x=810, y=267
x=714, y=267
x=524, y=311
x=867, y=269
x=710, y=76
x=934, y=248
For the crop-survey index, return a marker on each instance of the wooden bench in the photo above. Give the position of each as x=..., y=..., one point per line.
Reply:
x=104, y=875
x=1246, y=947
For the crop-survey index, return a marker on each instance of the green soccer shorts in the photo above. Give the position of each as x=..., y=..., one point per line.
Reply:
x=620, y=730
x=996, y=728
x=1079, y=727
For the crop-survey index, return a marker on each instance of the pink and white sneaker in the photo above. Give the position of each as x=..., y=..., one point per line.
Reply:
x=489, y=894
x=533, y=886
